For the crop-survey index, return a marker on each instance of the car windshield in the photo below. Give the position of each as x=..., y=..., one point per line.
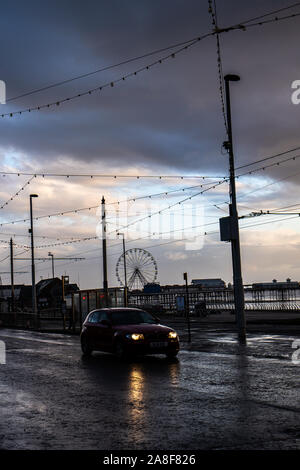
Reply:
x=131, y=317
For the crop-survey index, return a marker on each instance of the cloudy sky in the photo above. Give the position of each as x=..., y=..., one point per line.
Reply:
x=164, y=121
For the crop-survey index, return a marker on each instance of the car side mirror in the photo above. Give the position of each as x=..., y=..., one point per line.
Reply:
x=106, y=323
x=157, y=320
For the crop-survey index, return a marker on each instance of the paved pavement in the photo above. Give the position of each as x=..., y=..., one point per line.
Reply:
x=217, y=395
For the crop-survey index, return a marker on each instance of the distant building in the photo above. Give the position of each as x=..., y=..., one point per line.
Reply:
x=152, y=288
x=209, y=283
x=6, y=296
x=48, y=292
x=5, y=291
x=288, y=284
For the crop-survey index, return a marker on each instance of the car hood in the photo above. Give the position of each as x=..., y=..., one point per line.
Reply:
x=143, y=328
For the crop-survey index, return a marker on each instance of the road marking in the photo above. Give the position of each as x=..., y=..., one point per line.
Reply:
x=40, y=340
x=280, y=407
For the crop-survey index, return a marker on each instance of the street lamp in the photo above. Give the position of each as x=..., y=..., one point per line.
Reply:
x=234, y=238
x=187, y=305
x=125, y=271
x=104, y=255
x=34, y=304
x=52, y=256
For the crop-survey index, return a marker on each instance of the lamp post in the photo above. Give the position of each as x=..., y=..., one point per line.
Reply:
x=235, y=240
x=125, y=272
x=52, y=256
x=12, y=275
x=34, y=303
x=104, y=255
x=187, y=305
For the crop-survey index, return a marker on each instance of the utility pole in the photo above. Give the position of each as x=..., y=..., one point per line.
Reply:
x=12, y=275
x=52, y=256
x=34, y=303
x=233, y=222
x=104, y=255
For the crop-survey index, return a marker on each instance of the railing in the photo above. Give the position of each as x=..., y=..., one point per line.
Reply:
x=19, y=319
x=46, y=320
x=223, y=300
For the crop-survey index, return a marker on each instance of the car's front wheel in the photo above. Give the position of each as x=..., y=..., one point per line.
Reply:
x=171, y=354
x=85, y=348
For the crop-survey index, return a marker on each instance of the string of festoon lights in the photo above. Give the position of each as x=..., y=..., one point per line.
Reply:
x=139, y=220
x=156, y=245
x=214, y=185
x=77, y=240
x=113, y=176
x=178, y=202
x=212, y=10
x=6, y=242
x=133, y=199
x=147, y=67
x=136, y=58
x=17, y=193
x=173, y=241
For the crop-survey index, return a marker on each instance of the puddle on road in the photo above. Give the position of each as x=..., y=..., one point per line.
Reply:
x=250, y=339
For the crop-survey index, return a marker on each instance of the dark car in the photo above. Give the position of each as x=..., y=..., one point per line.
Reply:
x=126, y=331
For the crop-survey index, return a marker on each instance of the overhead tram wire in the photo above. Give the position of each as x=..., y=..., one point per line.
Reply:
x=112, y=83
x=287, y=207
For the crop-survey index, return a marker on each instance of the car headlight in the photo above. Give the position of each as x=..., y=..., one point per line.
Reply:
x=172, y=335
x=135, y=336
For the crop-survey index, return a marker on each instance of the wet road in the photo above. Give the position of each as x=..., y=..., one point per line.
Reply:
x=52, y=398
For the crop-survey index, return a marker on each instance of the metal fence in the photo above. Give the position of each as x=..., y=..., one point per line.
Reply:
x=19, y=319
x=45, y=320
x=218, y=300
x=223, y=300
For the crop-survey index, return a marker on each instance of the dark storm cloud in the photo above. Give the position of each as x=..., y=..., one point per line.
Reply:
x=171, y=115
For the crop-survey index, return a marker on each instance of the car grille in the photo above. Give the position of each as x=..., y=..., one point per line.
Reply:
x=156, y=336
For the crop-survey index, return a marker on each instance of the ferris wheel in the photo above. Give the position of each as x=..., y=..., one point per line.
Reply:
x=141, y=268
